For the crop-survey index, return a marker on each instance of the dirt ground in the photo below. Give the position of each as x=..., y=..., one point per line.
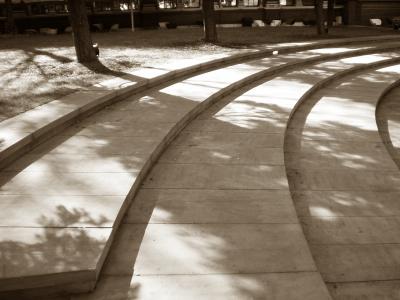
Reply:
x=36, y=69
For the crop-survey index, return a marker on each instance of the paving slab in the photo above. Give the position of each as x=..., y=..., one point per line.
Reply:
x=352, y=230
x=216, y=176
x=366, y=290
x=357, y=263
x=96, y=145
x=42, y=251
x=196, y=206
x=78, y=163
x=222, y=248
x=121, y=128
x=40, y=183
x=307, y=160
x=238, y=155
x=237, y=124
x=226, y=139
x=344, y=179
x=210, y=211
x=59, y=211
x=346, y=203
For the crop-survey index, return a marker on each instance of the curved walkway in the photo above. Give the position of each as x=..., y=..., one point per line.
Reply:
x=346, y=186
x=214, y=218
x=214, y=215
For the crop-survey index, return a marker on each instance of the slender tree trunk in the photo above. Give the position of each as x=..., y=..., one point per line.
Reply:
x=319, y=13
x=331, y=13
x=81, y=31
x=210, y=28
x=10, y=26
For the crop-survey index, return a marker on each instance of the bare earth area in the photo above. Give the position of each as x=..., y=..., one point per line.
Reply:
x=38, y=69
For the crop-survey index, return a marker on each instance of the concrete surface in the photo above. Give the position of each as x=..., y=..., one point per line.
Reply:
x=241, y=228
x=345, y=186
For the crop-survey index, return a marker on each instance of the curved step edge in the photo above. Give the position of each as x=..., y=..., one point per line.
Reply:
x=383, y=126
x=46, y=120
x=328, y=81
x=88, y=279
x=183, y=122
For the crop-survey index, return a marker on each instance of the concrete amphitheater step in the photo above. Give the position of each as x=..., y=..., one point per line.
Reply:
x=212, y=220
x=345, y=186
x=388, y=120
x=62, y=203
x=23, y=132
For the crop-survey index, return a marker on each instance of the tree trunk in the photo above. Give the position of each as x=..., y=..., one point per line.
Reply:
x=10, y=26
x=81, y=31
x=319, y=13
x=210, y=28
x=331, y=13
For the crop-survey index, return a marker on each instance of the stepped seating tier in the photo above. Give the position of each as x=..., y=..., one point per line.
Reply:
x=211, y=212
x=23, y=132
x=63, y=202
x=345, y=185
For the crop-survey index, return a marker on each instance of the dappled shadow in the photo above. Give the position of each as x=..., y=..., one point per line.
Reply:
x=103, y=155
x=343, y=182
x=208, y=248
x=57, y=246
x=207, y=213
x=84, y=161
x=67, y=218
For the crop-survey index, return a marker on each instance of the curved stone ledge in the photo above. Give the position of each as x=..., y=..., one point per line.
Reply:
x=199, y=191
x=86, y=280
x=343, y=183
x=21, y=133
x=384, y=126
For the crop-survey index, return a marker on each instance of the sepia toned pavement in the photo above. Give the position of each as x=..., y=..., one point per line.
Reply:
x=260, y=192
x=345, y=185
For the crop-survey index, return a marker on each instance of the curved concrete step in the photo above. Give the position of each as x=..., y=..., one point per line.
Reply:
x=80, y=182
x=211, y=217
x=345, y=186
x=388, y=120
x=20, y=134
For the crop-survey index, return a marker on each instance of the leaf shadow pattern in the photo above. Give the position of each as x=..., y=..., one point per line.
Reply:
x=249, y=114
x=216, y=248
x=57, y=246
x=345, y=185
